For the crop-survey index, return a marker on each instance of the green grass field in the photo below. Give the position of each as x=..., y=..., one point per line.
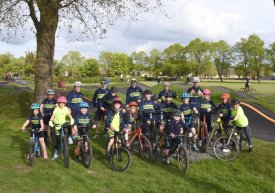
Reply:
x=250, y=173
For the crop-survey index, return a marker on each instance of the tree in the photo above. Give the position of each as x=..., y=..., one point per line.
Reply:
x=90, y=17
x=73, y=62
x=90, y=68
x=29, y=63
x=221, y=57
x=270, y=55
x=140, y=61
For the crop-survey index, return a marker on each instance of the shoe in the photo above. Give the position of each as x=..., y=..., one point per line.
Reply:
x=108, y=154
x=195, y=148
x=96, y=136
x=250, y=149
x=55, y=156
x=168, y=161
x=45, y=156
x=70, y=140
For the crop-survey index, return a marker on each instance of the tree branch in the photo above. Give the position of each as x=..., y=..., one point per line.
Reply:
x=67, y=5
x=32, y=14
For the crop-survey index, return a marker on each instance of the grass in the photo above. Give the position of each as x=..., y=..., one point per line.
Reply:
x=250, y=173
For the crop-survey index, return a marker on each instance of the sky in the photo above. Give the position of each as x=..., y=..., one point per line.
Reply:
x=178, y=21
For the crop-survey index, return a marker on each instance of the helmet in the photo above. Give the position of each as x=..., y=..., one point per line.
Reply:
x=166, y=84
x=35, y=106
x=77, y=83
x=50, y=91
x=117, y=100
x=185, y=95
x=147, y=91
x=206, y=92
x=235, y=101
x=196, y=79
x=113, y=89
x=84, y=105
x=62, y=99
x=225, y=95
x=155, y=97
x=133, y=103
x=133, y=80
x=169, y=94
x=177, y=112
x=103, y=81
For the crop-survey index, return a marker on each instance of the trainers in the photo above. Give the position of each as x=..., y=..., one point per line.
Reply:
x=195, y=148
x=108, y=154
x=96, y=136
x=55, y=156
x=70, y=140
x=168, y=161
x=250, y=149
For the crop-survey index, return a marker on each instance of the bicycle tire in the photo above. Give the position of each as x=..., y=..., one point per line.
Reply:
x=241, y=90
x=31, y=154
x=120, y=159
x=145, y=148
x=64, y=141
x=253, y=91
x=86, y=153
x=210, y=139
x=183, y=159
x=225, y=152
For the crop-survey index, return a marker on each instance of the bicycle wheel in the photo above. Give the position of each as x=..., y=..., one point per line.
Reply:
x=253, y=91
x=65, y=149
x=183, y=159
x=241, y=90
x=31, y=155
x=145, y=148
x=226, y=150
x=86, y=153
x=120, y=159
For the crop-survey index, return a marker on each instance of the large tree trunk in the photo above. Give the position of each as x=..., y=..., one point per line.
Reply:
x=45, y=53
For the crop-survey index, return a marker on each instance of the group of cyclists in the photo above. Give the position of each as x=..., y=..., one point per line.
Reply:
x=142, y=108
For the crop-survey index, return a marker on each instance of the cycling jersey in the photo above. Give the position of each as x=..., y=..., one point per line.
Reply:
x=83, y=119
x=225, y=110
x=175, y=126
x=35, y=121
x=98, y=95
x=133, y=94
x=187, y=110
x=107, y=101
x=242, y=121
x=60, y=115
x=48, y=106
x=74, y=99
x=162, y=94
x=145, y=108
x=205, y=104
x=168, y=109
x=195, y=97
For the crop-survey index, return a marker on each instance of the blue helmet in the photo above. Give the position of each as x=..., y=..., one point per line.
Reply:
x=185, y=95
x=84, y=105
x=35, y=106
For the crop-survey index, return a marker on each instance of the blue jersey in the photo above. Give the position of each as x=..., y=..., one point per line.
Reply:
x=48, y=106
x=187, y=110
x=35, y=121
x=110, y=116
x=74, y=99
x=83, y=120
x=168, y=109
x=162, y=94
x=205, y=104
x=133, y=94
x=107, y=101
x=175, y=126
x=225, y=110
x=98, y=95
x=145, y=108
x=195, y=97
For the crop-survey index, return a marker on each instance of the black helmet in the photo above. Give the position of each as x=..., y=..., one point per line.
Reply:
x=177, y=112
x=235, y=101
x=155, y=97
x=168, y=94
x=147, y=91
x=113, y=89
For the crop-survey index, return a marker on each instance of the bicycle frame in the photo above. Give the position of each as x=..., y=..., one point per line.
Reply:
x=35, y=140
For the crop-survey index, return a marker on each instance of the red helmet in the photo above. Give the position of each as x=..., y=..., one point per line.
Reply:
x=62, y=99
x=225, y=95
x=206, y=92
x=133, y=103
x=117, y=100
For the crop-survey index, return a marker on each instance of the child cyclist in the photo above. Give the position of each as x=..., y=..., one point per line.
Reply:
x=241, y=120
x=60, y=113
x=207, y=106
x=176, y=127
x=36, y=120
x=224, y=110
x=83, y=118
x=131, y=116
x=46, y=108
x=114, y=123
x=188, y=110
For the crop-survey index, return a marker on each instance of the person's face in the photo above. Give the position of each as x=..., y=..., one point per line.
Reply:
x=83, y=110
x=169, y=99
x=224, y=100
x=206, y=96
x=185, y=100
x=50, y=96
x=195, y=84
x=148, y=96
x=113, y=93
x=117, y=105
x=77, y=88
x=35, y=111
x=133, y=109
x=166, y=87
x=236, y=106
x=133, y=84
x=61, y=105
x=177, y=118
x=103, y=85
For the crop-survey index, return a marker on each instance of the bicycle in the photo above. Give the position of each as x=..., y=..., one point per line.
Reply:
x=144, y=146
x=84, y=145
x=203, y=135
x=249, y=90
x=120, y=159
x=64, y=142
x=228, y=148
x=34, y=147
x=178, y=152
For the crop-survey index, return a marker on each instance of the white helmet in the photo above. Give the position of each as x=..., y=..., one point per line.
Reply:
x=50, y=92
x=196, y=79
x=166, y=84
x=77, y=83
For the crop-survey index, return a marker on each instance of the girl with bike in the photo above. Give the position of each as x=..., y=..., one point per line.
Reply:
x=114, y=123
x=189, y=111
x=224, y=110
x=83, y=118
x=241, y=121
x=60, y=113
x=36, y=120
x=131, y=116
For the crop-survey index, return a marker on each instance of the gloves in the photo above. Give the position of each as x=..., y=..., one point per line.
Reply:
x=51, y=123
x=72, y=121
x=116, y=132
x=232, y=122
x=220, y=115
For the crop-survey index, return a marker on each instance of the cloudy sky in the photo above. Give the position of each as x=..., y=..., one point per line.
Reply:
x=210, y=20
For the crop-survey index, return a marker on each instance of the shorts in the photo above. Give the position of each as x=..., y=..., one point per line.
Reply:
x=171, y=142
x=46, y=119
x=110, y=133
x=39, y=134
x=99, y=115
